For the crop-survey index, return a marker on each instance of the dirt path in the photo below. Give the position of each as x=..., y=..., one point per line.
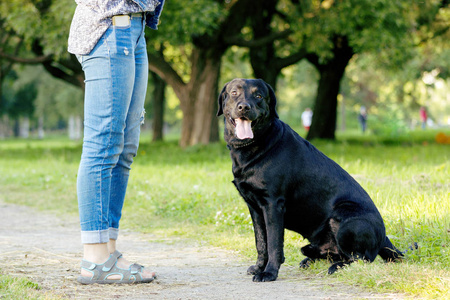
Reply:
x=46, y=249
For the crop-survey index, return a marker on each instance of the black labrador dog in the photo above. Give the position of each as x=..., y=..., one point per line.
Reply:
x=288, y=183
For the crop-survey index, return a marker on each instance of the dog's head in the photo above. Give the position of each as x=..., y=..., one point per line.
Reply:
x=248, y=106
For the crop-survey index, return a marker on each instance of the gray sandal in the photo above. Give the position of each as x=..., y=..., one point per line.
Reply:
x=101, y=272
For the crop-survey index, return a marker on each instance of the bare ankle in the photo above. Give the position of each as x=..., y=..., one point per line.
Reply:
x=96, y=253
x=111, y=246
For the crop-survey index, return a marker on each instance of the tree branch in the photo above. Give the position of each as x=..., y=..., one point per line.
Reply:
x=22, y=60
x=236, y=40
x=436, y=34
x=313, y=59
x=291, y=59
x=235, y=20
x=74, y=79
x=158, y=65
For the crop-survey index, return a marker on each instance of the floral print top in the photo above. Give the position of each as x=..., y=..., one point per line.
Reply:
x=93, y=17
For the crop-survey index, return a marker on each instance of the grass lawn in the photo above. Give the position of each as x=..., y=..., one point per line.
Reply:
x=189, y=193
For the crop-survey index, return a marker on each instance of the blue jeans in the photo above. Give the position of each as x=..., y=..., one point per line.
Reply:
x=116, y=74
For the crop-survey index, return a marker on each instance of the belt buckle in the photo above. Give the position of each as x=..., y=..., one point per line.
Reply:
x=121, y=20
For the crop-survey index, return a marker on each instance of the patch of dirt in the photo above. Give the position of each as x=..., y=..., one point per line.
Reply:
x=46, y=248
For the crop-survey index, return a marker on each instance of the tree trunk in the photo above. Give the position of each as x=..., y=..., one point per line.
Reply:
x=200, y=124
x=24, y=127
x=158, y=107
x=198, y=98
x=40, y=130
x=265, y=63
x=343, y=115
x=5, y=129
x=325, y=109
x=75, y=127
x=262, y=58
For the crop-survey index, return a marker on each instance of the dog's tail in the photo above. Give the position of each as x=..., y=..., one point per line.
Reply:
x=390, y=253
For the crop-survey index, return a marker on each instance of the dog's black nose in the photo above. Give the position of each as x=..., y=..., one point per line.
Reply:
x=244, y=107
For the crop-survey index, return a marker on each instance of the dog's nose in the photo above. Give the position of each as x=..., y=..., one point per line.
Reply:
x=244, y=107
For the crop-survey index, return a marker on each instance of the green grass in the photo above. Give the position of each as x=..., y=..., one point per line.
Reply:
x=189, y=193
x=17, y=288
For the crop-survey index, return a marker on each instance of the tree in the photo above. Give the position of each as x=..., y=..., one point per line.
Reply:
x=40, y=30
x=268, y=27
x=332, y=32
x=328, y=34
x=212, y=27
x=331, y=73
x=394, y=95
x=9, y=43
x=19, y=103
x=198, y=28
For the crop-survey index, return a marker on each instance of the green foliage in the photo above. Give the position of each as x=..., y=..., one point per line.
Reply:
x=33, y=92
x=23, y=104
x=235, y=65
x=381, y=26
x=19, y=97
x=47, y=21
x=180, y=22
x=297, y=88
x=394, y=98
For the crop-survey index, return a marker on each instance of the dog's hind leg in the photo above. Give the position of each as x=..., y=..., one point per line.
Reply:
x=324, y=246
x=314, y=253
x=356, y=239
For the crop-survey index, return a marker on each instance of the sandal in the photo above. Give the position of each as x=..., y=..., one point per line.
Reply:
x=101, y=272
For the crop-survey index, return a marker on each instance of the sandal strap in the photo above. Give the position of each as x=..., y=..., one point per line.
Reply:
x=136, y=268
x=87, y=264
x=110, y=263
x=98, y=269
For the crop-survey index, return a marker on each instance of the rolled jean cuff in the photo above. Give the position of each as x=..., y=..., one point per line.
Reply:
x=113, y=233
x=95, y=237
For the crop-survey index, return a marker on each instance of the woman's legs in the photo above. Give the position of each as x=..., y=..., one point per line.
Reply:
x=116, y=79
x=134, y=120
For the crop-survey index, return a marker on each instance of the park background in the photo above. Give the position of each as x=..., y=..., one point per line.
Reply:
x=391, y=57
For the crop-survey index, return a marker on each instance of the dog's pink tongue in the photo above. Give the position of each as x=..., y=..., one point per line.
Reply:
x=244, y=129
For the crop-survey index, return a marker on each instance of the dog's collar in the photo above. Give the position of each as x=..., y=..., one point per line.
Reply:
x=238, y=146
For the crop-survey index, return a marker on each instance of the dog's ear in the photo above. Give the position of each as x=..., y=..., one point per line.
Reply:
x=273, y=101
x=222, y=96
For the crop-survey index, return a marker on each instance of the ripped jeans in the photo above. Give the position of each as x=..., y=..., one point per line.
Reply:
x=116, y=74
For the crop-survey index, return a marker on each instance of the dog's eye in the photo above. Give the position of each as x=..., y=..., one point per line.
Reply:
x=233, y=93
x=258, y=96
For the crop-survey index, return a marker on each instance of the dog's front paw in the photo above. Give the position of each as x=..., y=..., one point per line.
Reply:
x=253, y=270
x=264, y=277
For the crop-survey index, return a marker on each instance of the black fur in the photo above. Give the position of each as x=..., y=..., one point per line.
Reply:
x=288, y=183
